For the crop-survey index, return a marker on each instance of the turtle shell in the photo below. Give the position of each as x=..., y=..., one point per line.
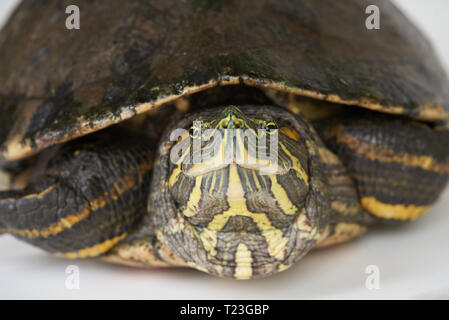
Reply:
x=132, y=56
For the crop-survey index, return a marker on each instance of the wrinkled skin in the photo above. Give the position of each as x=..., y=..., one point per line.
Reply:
x=234, y=218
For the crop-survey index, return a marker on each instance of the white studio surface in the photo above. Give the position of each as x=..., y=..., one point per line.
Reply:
x=413, y=259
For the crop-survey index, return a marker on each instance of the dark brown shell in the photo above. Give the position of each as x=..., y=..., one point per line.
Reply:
x=131, y=56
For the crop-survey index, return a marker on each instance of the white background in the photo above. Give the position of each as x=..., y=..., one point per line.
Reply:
x=413, y=259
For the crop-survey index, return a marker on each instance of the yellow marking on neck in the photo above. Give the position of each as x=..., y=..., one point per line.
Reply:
x=174, y=176
x=393, y=211
x=282, y=198
x=235, y=189
x=194, y=199
x=243, y=259
x=177, y=171
x=256, y=180
x=221, y=182
x=213, y=182
x=296, y=165
x=237, y=207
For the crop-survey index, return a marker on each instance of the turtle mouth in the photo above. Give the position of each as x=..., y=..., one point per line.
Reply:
x=234, y=153
x=218, y=146
x=264, y=169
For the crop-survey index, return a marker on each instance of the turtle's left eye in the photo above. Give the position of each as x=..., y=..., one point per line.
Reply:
x=270, y=127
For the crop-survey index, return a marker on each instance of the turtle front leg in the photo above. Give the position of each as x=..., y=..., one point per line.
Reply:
x=89, y=197
x=400, y=166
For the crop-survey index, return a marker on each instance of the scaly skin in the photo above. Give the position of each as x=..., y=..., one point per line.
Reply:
x=236, y=219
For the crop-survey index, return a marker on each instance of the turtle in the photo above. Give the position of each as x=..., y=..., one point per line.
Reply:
x=231, y=137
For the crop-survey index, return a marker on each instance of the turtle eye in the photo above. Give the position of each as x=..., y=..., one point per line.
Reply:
x=238, y=123
x=224, y=124
x=270, y=127
x=194, y=132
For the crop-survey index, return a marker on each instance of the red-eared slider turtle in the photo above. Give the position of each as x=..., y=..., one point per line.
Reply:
x=112, y=134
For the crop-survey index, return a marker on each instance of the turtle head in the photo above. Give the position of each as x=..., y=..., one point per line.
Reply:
x=239, y=187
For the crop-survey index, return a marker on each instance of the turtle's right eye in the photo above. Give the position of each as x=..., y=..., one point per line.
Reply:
x=270, y=127
x=194, y=132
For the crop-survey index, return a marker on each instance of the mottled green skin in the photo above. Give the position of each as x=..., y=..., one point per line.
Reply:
x=132, y=52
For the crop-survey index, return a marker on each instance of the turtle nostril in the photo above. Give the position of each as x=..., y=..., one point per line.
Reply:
x=224, y=124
